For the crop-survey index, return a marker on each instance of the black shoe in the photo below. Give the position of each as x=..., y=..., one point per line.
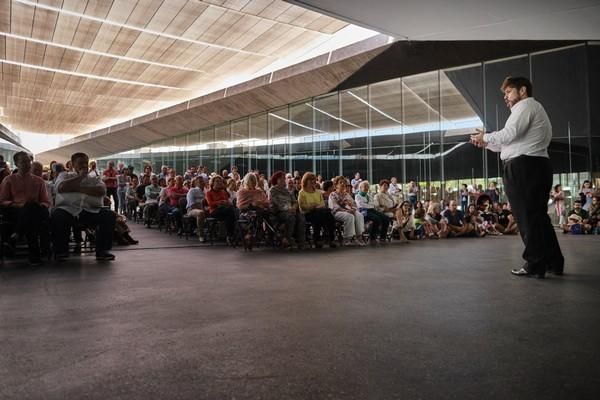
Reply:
x=106, y=256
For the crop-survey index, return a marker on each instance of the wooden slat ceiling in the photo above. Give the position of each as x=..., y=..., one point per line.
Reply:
x=71, y=66
x=304, y=80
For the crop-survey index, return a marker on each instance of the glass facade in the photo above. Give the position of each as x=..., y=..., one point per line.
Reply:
x=412, y=127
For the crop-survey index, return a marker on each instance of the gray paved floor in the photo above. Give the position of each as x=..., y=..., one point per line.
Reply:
x=421, y=321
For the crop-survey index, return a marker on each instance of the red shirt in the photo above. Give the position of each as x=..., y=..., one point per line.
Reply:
x=110, y=173
x=214, y=198
x=24, y=188
x=174, y=200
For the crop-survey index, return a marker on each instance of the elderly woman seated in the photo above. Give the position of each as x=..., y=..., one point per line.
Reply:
x=195, y=205
x=434, y=217
x=312, y=205
x=286, y=212
x=253, y=205
x=344, y=209
x=219, y=205
x=367, y=206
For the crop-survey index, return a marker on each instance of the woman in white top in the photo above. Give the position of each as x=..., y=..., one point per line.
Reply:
x=367, y=206
x=344, y=210
x=385, y=202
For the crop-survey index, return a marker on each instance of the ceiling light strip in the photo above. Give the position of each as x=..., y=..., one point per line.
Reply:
x=296, y=123
x=374, y=108
x=99, y=53
x=82, y=75
x=135, y=28
x=333, y=116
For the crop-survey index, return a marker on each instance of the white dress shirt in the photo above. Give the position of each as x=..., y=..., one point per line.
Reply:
x=527, y=132
x=75, y=202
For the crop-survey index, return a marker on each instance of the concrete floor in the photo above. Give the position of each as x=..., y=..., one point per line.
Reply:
x=175, y=320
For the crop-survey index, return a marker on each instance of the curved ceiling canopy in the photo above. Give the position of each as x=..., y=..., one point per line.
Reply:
x=469, y=19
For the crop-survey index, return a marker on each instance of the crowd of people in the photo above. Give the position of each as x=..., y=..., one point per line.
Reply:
x=51, y=207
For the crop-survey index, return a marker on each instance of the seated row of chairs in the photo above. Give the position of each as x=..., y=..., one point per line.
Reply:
x=253, y=227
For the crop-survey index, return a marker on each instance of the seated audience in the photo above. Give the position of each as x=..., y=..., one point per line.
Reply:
x=456, y=221
x=312, y=205
x=506, y=224
x=219, y=205
x=405, y=224
x=344, y=210
x=327, y=187
x=79, y=199
x=286, y=212
x=594, y=214
x=176, y=200
x=151, y=194
x=367, y=206
x=384, y=201
x=25, y=203
x=254, y=207
x=577, y=220
x=195, y=205
x=436, y=220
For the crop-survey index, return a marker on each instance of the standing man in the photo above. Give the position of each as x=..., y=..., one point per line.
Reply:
x=109, y=177
x=523, y=146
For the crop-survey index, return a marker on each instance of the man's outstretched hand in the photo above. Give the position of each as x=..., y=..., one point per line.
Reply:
x=477, y=138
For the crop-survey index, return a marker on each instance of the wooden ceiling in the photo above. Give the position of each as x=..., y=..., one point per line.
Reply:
x=72, y=66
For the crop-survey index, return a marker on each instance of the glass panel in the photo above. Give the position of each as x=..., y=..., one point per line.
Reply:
x=194, y=149
x=327, y=135
x=259, y=150
x=462, y=112
x=301, y=138
x=354, y=135
x=386, y=130
x=207, y=140
x=240, y=150
x=566, y=108
x=279, y=131
x=421, y=103
x=223, y=147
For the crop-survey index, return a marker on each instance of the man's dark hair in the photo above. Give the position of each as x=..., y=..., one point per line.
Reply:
x=20, y=154
x=77, y=156
x=327, y=185
x=518, y=82
x=577, y=201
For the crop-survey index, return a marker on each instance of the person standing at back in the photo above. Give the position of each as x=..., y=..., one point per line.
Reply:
x=523, y=146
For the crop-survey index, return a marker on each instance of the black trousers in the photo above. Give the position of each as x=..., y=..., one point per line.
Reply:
x=321, y=218
x=62, y=221
x=380, y=223
x=33, y=221
x=227, y=215
x=527, y=181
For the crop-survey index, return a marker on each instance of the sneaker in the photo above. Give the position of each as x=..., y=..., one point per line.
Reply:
x=201, y=239
x=332, y=244
x=348, y=242
x=106, y=256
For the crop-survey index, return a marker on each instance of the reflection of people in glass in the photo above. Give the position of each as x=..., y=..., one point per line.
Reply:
x=523, y=146
x=558, y=202
x=586, y=193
